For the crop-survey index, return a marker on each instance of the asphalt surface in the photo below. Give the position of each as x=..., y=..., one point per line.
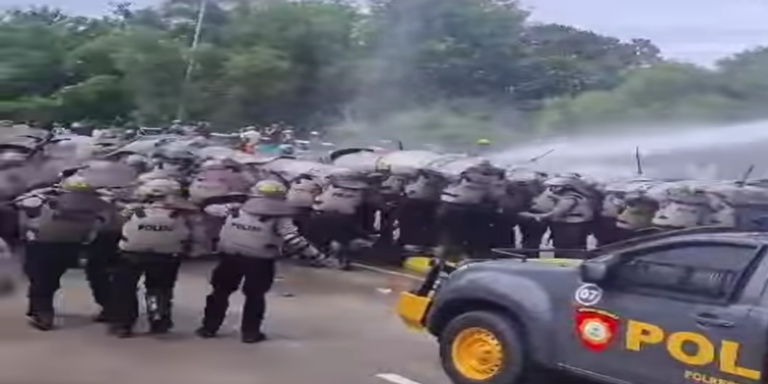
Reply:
x=325, y=327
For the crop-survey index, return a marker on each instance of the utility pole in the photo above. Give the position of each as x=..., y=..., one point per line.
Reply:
x=182, y=111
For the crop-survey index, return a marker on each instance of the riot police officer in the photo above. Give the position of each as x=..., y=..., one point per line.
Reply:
x=336, y=215
x=416, y=214
x=684, y=207
x=467, y=211
x=59, y=225
x=570, y=217
x=637, y=215
x=249, y=245
x=155, y=236
x=301, y=195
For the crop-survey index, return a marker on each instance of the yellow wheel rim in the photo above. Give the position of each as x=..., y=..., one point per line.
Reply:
x=477, y=354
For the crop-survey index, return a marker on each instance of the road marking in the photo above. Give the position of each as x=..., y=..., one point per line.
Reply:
x=386, y=271
x=395, y=378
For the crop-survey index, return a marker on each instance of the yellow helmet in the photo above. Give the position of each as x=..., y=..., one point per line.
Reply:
x=269, y=188
x=75, y=183
x=483, y=142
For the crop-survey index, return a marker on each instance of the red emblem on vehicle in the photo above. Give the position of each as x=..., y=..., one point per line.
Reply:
x=596, y=328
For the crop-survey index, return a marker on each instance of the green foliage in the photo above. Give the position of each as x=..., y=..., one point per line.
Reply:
x=737, y=89
x=426, y=70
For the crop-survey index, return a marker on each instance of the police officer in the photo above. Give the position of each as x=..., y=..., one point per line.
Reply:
x=482, y=146
x=59, y=225
x=570, y=217
x=605, y=228
x=154, y=237
x=173, y=163
x=336, y=215
x=467, y=211
x=416, y=214
x=217, y=182
x=250, y=243
x=101, y=256
x=512, y=197
x=684, y=207
x=301, y=195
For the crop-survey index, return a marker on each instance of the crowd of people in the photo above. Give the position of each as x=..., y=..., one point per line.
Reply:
x=175, y=204
x=147, y=233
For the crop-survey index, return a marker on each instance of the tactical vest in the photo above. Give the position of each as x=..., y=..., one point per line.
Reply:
x=250, y=235
x=156, y=230
x=302, y=192
x=71, y=218
x=339, y=200
x=582, y=212
x=465, y=193
x=424, y=188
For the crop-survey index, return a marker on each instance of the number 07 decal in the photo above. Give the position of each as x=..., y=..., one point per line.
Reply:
x=588, y=294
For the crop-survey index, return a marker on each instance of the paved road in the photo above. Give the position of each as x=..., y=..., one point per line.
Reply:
x=337, y=328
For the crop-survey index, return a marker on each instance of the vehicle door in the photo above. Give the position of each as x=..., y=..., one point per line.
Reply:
x=679, y=313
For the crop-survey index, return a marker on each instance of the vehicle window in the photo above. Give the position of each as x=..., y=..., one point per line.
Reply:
x=700, y=271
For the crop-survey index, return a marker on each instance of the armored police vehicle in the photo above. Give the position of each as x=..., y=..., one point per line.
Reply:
x=682, y=307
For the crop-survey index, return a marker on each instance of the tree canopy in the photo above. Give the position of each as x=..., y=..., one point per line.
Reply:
x=428, y=69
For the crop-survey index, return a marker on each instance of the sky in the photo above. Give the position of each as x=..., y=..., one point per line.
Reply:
x=700, y=31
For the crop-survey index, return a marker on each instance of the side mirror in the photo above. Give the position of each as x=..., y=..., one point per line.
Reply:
x=593, y=272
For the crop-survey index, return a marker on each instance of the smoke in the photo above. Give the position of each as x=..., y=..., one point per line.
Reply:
x=450, y=126
x=699, y=152
x=395, y=99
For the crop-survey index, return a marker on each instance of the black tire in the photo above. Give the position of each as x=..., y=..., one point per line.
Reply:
x=508, y=333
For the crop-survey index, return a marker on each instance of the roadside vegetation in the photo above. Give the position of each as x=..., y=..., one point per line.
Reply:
x=424, y=70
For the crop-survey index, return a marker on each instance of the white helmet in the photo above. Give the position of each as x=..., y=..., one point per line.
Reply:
x=158, y=188
x=135, y=159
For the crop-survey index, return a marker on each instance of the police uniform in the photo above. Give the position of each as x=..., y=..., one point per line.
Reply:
x=467, y=211
x=569, y=217
x=251, y=240
x=58, y=228
x=416, y=214
x=301, y=195
x=390, y=196
x=154, y=237
x=512, y=198
x=102, y=256
x=335, y=217
x=570, y=224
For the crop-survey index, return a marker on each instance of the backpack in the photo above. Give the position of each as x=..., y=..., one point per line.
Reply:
x=70, y=218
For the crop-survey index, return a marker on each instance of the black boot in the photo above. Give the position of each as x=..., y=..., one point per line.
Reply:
x=205, y=333
x=41, y=322
x=124, y=333
x=214, y=313
x=160, y=327
x=101, y=317
x=253, y=337
x=121, y=331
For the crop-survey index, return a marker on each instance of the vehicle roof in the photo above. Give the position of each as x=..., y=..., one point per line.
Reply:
x=692, y=234
x=757, y=237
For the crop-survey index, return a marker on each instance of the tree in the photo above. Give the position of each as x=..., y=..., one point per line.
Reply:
x=448, y=70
